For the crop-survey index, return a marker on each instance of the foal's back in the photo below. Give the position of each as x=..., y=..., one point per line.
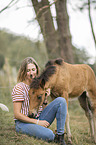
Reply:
x=73, y=79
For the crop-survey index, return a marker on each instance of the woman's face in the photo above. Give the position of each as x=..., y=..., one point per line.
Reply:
x=31, y=71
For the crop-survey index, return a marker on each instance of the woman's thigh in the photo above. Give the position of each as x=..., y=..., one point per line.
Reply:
x=35, y=130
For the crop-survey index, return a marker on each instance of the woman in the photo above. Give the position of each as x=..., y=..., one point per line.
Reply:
x=46, y=114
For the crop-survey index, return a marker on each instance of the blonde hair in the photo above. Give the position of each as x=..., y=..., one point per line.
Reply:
x=22, y=71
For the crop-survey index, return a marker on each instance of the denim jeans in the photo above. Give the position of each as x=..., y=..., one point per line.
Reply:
x=56, y=109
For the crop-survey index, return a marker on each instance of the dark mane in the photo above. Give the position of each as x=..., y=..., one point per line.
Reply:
x=35, y=84
x=43, y=78
x=58, y=61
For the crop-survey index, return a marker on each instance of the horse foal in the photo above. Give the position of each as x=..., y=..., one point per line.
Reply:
x=68, y=81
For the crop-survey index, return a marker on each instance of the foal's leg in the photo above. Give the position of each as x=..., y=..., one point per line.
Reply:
x=65, y=95
x=92, y=95
x=86, y=105
x=68, y=128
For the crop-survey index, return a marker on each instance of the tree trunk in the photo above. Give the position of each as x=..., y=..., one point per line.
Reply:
x=64, y=36
x=45, y=21
x=58, y=42
x=91, y=23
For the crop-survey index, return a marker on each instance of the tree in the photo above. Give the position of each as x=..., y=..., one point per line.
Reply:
x=58, y=41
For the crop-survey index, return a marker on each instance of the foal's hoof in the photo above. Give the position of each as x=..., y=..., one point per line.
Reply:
x=69, y=142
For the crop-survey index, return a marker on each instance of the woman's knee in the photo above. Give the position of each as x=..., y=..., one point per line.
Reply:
x=61, y=100
x=49, y=136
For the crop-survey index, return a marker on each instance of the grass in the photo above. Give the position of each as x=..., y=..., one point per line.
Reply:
x=78, y=123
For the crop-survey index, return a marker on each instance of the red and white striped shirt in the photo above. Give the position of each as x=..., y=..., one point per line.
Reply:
x=20, y=93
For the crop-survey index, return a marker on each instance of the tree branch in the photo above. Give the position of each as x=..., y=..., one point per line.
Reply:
x=45, y=7
x=8, y=6
x=89, y=10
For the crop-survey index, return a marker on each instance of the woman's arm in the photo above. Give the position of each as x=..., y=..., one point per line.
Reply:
x=18, y=115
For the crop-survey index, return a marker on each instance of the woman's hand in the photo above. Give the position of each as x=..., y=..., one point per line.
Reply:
x=47, y=92
x=46, y=95
x=43, y=123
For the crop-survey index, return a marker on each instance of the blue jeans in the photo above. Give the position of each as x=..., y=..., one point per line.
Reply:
x=56, y=109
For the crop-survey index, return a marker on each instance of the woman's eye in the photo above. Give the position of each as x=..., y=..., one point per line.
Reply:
x=33, y=69
x=40, y=97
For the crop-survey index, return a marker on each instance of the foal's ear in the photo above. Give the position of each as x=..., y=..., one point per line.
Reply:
x=42, y=83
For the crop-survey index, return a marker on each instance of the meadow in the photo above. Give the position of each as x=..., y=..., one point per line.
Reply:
x=78, y=123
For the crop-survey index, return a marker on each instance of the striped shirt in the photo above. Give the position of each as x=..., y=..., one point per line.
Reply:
x=20, y=93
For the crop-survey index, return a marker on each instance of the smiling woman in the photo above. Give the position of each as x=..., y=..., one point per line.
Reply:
x=37, y=124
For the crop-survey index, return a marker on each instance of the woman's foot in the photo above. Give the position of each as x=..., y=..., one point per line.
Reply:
x=59, y=139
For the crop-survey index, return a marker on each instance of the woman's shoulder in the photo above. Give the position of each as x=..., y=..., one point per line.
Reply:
x=21, y=86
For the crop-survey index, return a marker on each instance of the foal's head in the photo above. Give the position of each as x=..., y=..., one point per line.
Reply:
x=38, y=89
x=37, y=96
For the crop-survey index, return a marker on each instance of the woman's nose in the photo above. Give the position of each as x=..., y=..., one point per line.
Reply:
x=31, y=71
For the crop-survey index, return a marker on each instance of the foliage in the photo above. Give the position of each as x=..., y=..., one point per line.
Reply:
x=16, y=48
x=80, y=56
x=84, y=4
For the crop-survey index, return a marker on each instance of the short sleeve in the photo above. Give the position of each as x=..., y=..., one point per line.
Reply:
x=18, y=93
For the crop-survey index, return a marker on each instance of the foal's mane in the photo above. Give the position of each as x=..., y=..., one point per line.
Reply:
x=58, y=61
x=43, y=78
x=50, y=69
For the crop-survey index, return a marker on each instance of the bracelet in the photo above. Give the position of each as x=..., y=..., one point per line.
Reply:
x=37, y=121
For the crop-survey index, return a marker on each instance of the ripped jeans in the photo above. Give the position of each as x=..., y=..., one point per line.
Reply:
x=56, y=109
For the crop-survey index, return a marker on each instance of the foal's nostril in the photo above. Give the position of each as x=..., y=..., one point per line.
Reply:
x=32, y=115
x=39, y=97
x=31, y=76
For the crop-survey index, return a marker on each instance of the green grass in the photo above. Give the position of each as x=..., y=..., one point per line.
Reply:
x=78, y=123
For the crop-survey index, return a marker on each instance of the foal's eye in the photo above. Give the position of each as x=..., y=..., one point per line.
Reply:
x=33, y=93
x=39, y=97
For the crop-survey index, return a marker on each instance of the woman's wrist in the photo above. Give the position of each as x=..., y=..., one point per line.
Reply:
x=37, y=121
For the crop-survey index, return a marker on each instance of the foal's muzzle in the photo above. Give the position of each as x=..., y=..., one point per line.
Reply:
x=32, y=115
